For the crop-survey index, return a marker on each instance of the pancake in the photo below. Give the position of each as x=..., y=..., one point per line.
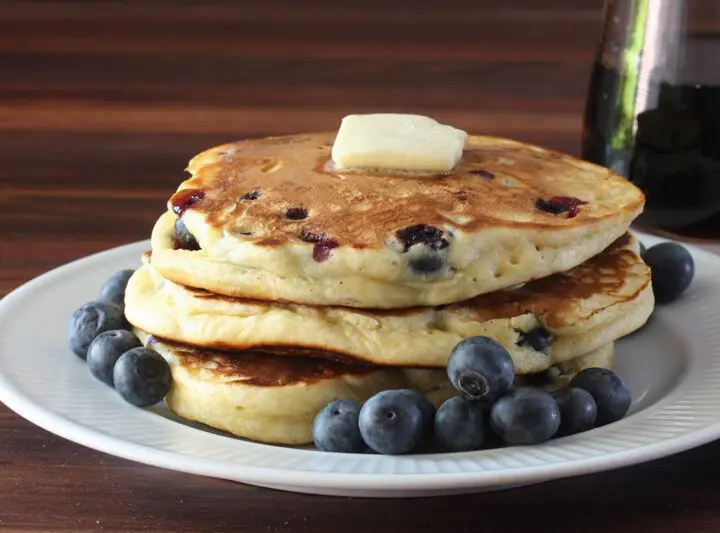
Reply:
x=274, y=399
x=273, y=221
x=583, y=309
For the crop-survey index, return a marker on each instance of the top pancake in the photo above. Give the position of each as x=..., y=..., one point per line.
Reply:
x=274, y=221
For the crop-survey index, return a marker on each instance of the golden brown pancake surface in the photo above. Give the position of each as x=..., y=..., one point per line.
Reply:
x=282, y=189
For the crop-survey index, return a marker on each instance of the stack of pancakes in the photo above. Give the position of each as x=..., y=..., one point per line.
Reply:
x=276, y=285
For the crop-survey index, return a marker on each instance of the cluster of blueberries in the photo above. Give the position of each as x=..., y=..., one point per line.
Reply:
x=481, y=370
x=99, y=333
x=488, y=409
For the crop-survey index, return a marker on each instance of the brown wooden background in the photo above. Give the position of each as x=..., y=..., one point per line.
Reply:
x=103, y=103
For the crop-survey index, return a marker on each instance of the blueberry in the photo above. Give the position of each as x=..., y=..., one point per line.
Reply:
x=460, y=425
x=89, y=321
x=251, y=195
x=525, y=416
x=296, y=213
x=391, y=422
x=485, y=174
x=184, y=199
x=430, y=236
x=113, y=290
x=185, y=239
x=672, y=269
x=480, y=368
x=577, y=410
x=324, y=245
x=142, y=377
x=106, y=349
x=427, y=410
x=538, y=338
x=560, y=204
x=426, y=264
x=336, y=428
x=609, y=392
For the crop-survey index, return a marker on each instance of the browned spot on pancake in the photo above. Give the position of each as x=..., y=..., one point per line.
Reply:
x=558, y=296
x=294, y=363
x=269, y=164
x=390, y=202
x=267, y=370
x=291, y=139
x=269, y=241
x=462, y=196
x=273, y=366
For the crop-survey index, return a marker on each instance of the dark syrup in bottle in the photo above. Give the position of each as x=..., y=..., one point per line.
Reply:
x=653, y=110
x=674, y=157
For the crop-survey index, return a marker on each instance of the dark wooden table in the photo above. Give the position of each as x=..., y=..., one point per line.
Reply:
x=102, y=104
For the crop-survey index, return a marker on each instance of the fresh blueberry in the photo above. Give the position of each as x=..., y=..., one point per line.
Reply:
x=428, y=410
x=336, y=428
x=577, y=410
x=106, y=349
x=142, y=377
x=113, y=290
x=391, y=422
x=480, y=368
x=185, y=239
x=460, y=425
x=672, y=269
x=611, y=395
x=525, y=416
x=89, y=321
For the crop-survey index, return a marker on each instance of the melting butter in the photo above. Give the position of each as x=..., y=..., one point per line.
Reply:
x=397, y=142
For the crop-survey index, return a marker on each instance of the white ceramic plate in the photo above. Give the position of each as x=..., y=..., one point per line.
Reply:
x=672, y=367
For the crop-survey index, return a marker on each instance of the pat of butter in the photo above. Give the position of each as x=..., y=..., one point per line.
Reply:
x=405, y=143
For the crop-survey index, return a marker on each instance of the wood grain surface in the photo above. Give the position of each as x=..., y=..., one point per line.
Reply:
x=103, y=103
